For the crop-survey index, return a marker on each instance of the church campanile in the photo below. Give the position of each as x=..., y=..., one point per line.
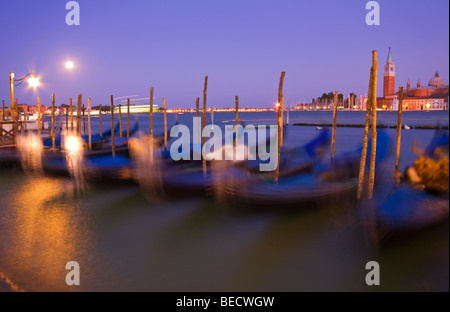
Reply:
x=389, y=77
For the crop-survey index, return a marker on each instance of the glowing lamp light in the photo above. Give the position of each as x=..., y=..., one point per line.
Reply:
x=33, y=82
x=69, y=65
x=35, y=143
x=73, y=144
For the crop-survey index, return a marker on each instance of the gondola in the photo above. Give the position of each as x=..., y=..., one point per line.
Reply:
x=100, y=164
x=97, y=164
x=417, y=203
x=98, y=167
x=324, y=184
x=101, y=145
x=98, y=141
x=190, y=179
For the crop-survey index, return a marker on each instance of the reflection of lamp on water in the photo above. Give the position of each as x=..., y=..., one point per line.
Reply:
x=73, y=145
x=30, y=148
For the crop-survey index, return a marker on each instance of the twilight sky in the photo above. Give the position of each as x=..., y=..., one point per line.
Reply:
x=124, y=47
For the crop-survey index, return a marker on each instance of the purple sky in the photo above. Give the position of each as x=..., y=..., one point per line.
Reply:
x=124, y=47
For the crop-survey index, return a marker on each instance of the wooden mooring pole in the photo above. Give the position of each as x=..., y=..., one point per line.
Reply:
x=128, y=118
x=60, y=119
x=113, y=147
x=43, y=122
x=120, y=120
x=79, y=114
x=151, y=113
x=374, y=126
x=362, y=165
x=39, y=116
x=12, y=107
x=89, y=124
x=84, y=119
x=280, y=125
x=71, y=114
x=165, y=124
x=236, y=121
x=53, y=122
x=371, y=107
x=22, y=126
x=205, y=93
x=333, y=136
x=67, y=119
x=399, y=136
x=197, y=109
x=100, y=120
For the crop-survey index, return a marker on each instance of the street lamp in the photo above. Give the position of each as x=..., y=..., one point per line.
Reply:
x=33, y=82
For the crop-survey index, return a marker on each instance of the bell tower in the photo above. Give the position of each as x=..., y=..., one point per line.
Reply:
x=389, y=77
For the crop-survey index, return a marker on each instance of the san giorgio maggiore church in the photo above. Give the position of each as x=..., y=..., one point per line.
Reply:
x=434, y=96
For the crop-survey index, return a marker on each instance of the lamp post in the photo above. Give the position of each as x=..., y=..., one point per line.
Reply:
x=33, y=81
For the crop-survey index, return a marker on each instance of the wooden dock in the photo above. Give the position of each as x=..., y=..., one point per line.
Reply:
x=7, y=134
x=7, y=139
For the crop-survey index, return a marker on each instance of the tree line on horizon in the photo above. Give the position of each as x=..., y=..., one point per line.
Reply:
x=330, y=96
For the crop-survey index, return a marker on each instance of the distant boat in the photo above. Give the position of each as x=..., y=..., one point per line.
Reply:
x=407, y=127
x=319, y=128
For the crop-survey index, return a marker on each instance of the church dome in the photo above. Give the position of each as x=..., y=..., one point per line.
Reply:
x=436, y=81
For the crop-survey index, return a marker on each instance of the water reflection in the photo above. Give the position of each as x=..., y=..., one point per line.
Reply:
x=44, y=233
x=74, y=151
x=145, y=152
x=31, y=149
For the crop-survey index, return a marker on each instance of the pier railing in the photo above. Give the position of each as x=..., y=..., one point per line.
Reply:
x=8, y=131
x=7, y=138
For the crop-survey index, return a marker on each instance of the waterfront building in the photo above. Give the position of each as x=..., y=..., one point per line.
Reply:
x=434, y=96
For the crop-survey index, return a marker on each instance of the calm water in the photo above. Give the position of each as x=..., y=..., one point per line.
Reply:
x=125, y=242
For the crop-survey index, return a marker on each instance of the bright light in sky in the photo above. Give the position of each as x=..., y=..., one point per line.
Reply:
x=69, y=65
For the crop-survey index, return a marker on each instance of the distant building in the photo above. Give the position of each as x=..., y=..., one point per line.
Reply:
x=361, y=103
x=389, y=77
x=431, y=97
x=22, y=108
x=31, y=109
